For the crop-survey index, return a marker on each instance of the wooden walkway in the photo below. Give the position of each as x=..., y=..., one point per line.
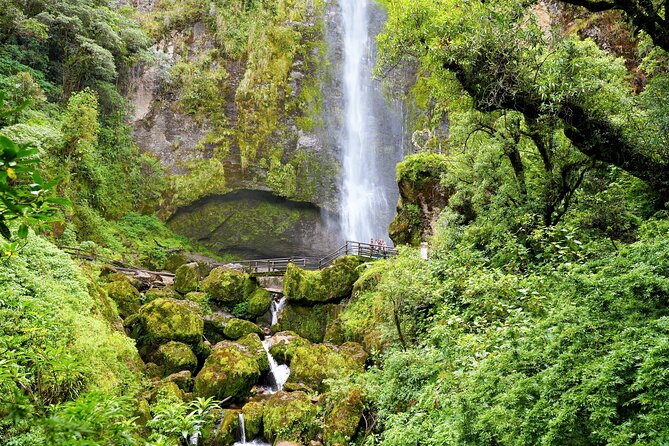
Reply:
x=278, y=266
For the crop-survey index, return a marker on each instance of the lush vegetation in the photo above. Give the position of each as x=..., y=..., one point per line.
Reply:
x=541, y=184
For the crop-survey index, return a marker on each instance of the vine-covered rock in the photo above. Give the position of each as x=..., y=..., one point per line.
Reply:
x=291, y=416
x=232, y=369
x=331, y=283
x=177, y=356
x=187, y=278
x=341, y=424
x=126, y=297
x=312, y=364
x=284, y=345
x=228, y=286
x=165, y=320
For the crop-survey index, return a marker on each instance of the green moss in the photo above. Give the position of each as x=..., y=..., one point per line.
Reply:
x=258, y=303
x=237, y=328
x=291, y=416
x=176, y=357
x=313, y=364
x=126, y=297
x=160, y=293
x=232, y=369
x=331, y=283
x=284, y=345
x=183, y=379
x=369, y=276
x=363, y=317
x=253, y=413
x=187, y=278
x=228, y=286
x=200, y=298
x=308, y=322
x=166, y=391
x=341, y=424
x=165, y=320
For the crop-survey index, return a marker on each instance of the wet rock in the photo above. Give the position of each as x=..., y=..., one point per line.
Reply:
x=237, y=328
x=284, y=344
x=308, y=322
x=253, y=413
x=290, y=417
x=258, y=303
x=228, y=286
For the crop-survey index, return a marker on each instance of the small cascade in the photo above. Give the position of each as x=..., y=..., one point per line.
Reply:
x=276, y=308
x=278, y=372
x=242, y=428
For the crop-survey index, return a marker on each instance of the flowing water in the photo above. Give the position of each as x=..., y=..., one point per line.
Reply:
x=371, y=138
x=278, y=372
x=276, y=308
x=242, y=440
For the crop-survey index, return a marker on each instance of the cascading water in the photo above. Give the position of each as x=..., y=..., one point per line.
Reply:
x=242, y=432
x=276, y=308
x=371, y=138
x=278, y=372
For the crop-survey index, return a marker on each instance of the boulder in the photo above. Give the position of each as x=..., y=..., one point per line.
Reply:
x=228, y=286
x=214, y=326
x=332, y=283
x=165, y=320
x=312, y=364
x=284, y=344
x=232, y=369
x=258, y=303
x=126, y=297
x=183, y=379
x=187, y=278
x=290, y=416
x=308, y=322
x=160, y=293
x=166, y=390
x=176, y=356
x=229, y=430
x=341, y=424
x=237, y=328
x=253, y=413
x=200, y=298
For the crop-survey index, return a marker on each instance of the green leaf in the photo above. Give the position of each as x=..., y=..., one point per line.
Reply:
x=23, y=231
x=4, y=231
x=58, y=200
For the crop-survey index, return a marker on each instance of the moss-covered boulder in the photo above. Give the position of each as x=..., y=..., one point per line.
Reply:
x=176, y=356
x=214, y=326
x=312, y=364
x=253, y=413
x=166, y=390
x=284, y=344
x=237, y=328
x=369, y=276
x=308, y=322
x=161, y=293
x=200, y=298
x=183, y=379
x=165, y=320
x=291, y=416
x=126, y=297
x=329, y=284
x=228, y=286
x=187, y=278
x=258, y=303
x=232, y=369
x=229, y=430
x=341, y=424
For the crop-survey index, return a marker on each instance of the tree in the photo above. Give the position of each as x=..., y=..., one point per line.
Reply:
x=503, y=60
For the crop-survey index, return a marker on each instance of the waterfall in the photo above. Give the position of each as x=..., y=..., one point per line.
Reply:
x=242, y=428
x=276, y=308
x=278, y=372
x=371, y=138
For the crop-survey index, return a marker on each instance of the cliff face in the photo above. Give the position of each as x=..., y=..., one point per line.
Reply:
x=235, y=96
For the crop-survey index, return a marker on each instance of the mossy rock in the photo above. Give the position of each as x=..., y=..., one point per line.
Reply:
x=177, y=356
x=291, y=416
x=284, y=345
x=165, y=320
x=126, y=297
x=258, y=303
x=232, y=369
x=229, y=430
x=369, y=276
x=187, y=278
x=308, y=322
x=341, y=424
x=214, y=326
x=174, y=260
x=312, y=364
x=228, y=286
x=332, y=283
x=253, y=413
x=238, y=328
x=166, y=390
x=161, y=293
x=200, y=298
x=183, y=379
